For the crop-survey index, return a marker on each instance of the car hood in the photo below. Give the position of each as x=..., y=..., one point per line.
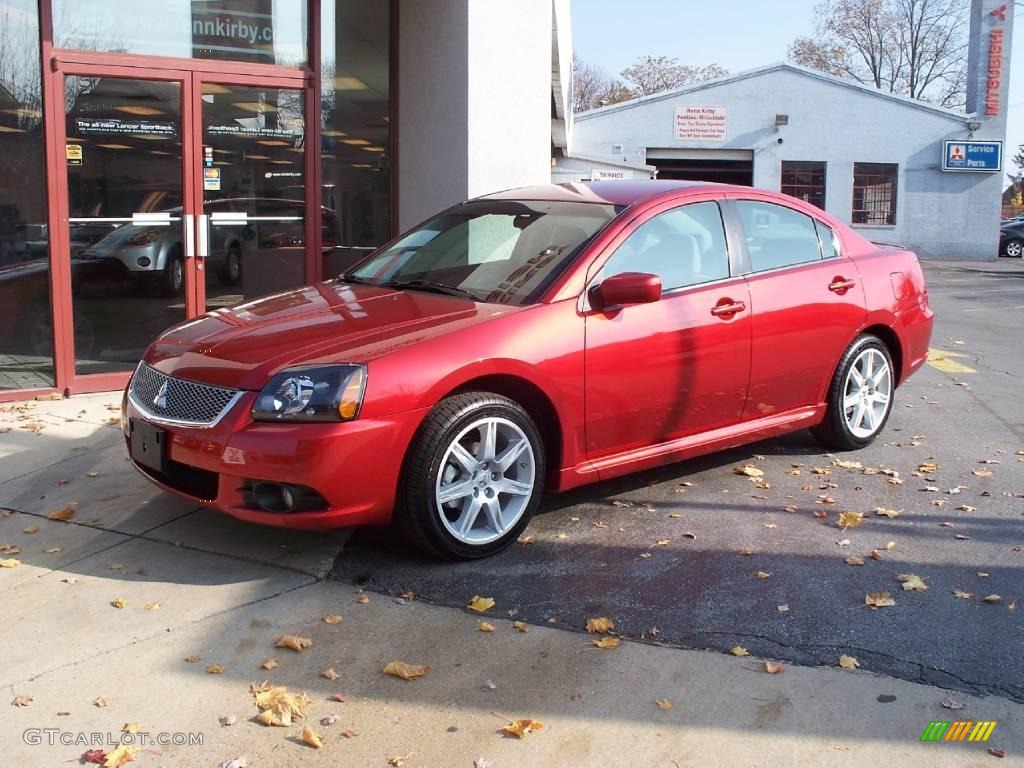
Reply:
x=243, y=346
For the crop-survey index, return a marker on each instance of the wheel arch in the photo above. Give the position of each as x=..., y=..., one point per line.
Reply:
x=888, y=336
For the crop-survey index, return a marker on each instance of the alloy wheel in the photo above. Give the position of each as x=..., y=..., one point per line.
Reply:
x=867, y=392
x=485, y=480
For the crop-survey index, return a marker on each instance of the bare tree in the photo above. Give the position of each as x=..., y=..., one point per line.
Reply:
x=654, y=74
x=916, y=48
x=592, y=87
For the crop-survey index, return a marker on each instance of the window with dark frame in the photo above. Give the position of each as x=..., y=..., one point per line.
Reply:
x=804, y=180
x=874, y=193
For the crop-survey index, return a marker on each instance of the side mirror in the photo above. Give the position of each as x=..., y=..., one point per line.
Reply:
x=626, y=288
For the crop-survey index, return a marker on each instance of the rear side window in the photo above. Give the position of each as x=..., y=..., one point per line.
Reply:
x=777, y=236
x=829, y=244
x=683, y=246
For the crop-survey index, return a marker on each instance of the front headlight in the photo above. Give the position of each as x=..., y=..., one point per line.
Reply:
x=144, y=238
x=312, y=393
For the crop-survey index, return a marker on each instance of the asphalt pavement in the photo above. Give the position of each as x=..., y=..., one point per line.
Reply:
x=697, y=556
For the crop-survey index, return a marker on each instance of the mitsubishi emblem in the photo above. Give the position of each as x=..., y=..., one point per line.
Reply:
x=160, y=401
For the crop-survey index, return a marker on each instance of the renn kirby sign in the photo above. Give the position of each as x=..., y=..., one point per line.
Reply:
x=972, y=156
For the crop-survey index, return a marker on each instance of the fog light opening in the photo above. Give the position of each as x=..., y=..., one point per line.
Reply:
x=143, y=261
x=271, y=497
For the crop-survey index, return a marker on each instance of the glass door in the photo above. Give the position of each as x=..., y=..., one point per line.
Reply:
x=252, y=227
x=128, y=240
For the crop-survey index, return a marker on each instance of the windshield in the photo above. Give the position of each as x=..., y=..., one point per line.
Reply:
x=497, y=251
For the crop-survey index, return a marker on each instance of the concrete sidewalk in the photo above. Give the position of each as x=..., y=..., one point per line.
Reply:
x=226, y=591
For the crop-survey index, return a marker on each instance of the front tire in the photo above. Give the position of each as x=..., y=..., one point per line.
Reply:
x=172, y=281
x=1014, y=247
x=859, y=397
x=472, y=479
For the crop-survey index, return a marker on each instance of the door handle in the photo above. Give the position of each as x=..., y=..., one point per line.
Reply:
x=204, y=236
x=190, y=236
x=841, y=285
x=727, y=308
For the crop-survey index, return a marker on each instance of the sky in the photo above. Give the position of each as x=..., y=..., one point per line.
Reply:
x=738, y=36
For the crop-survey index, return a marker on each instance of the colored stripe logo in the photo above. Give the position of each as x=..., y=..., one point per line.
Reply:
x=958, y=730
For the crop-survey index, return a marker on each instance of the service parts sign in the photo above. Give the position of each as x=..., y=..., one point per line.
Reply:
x=701, y=123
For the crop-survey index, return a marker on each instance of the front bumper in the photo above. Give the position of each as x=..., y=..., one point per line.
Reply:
x=354, y=465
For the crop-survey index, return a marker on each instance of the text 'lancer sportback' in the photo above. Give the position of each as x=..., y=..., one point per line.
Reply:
x=535, y=339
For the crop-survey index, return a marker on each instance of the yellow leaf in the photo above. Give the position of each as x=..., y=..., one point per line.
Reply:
x=519, y=626
x=821, y=470
x=270, y=717
x=665, y=704
x=563, y=536
x=911, y=581
x=662, y=542
x=891, y=545
x=332, y=618
x=745, y=551
x=268, y=664
x=405, y=671
x=10, y=563
x=773, y=667
x=118, y=756
x=363, y=599
x=992, y=598
x=520, y=728
x=849, y=662
x=748, y=470
x=277, y=706
x=399, y=760
x=600, y=624
x=330, y=674
x=890, y=513
x=34, y=528
x=982, y=472
x=92, y=474
x=739, y=650
x=962, y=594
x=152, y=606
x=62, y=514
x=119, y=602
x=928, y=468
x=295, y=642
x=607, y=642
x=480, y=604
x=215, y=669
x=13, y=549
x=875, y=554
x=100, y=701
x=486, y=627
x=849, y=464
x=312, y=738
x=762, y=575
x=132, y=727
x=879, y=600
x=854, y=560
x=849, y=519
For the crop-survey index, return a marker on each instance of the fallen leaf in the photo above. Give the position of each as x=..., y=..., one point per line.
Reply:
x=600, y=624
x=773, y=667
x=53, y=550
x=488, y=685
x=762, y=575
x=525, y=540
x=341, y=697
x=770, y=525
x=330, y=674
x=739, y=650
x=132, y=727
x=961, y=536
x=879, y=600
x=911, y=582
x=312, y=738
x=10, y=563
x=563, y=536
x=748, y=471
x=295, y=642
x=119, y=602
x=94, y=756
x=992, y=599
x=270, y=663
x=278, y=707
x=821, y=514
x=849, y=519
x=486, y=627
x=996, y=752
x=100, y=701
x=745, y=551
x=363, y=599
x=665, y=704
x=520, y=626
x=215, y=669
x=480, y=604
x=982, y=472
x=607, y=642
x=405, y=671
x=332, y=618
x=22, y=700
x=152, y=606
x=849, y=464
x=228, y=720
x=821, y=470
x=662, y=542
x=928, y=468
x=92, y=474
x=62, y=514
x=890, y=545
x=119, y=756
x=330, y=719
x=10, y=549
x=874, y=554
x=349, y=734
x=675, y=516
x=890, y=513
x=962, y=594
x=982, y=575
x=34, y=528
x=854, y=560
x=950, y=703
x=520, y=728
x=849, y=662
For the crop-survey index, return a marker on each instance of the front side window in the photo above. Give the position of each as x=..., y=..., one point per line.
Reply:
x=874, y=193
x=683, y=246
x=777, y=236
x=804, y=181
x=498, y=251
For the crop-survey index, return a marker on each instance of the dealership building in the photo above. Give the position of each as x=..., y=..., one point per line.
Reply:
x=163, y=159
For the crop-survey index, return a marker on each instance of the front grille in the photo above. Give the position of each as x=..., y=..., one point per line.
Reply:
x=179, y=400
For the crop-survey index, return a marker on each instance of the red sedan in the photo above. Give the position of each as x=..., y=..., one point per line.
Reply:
x=534, y=339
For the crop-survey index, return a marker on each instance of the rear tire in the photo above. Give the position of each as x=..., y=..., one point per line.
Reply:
x=860, y=396
x=1014, y=248
x=231, y=272
x=472, y=479
x=172, y=281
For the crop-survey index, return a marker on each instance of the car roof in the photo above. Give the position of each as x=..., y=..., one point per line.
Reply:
x=620, y=193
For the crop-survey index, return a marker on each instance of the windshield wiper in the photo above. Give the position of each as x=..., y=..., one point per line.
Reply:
x=430, y=286
x=349, y=278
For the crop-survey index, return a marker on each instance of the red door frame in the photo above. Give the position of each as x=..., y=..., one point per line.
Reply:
x=190, y=73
